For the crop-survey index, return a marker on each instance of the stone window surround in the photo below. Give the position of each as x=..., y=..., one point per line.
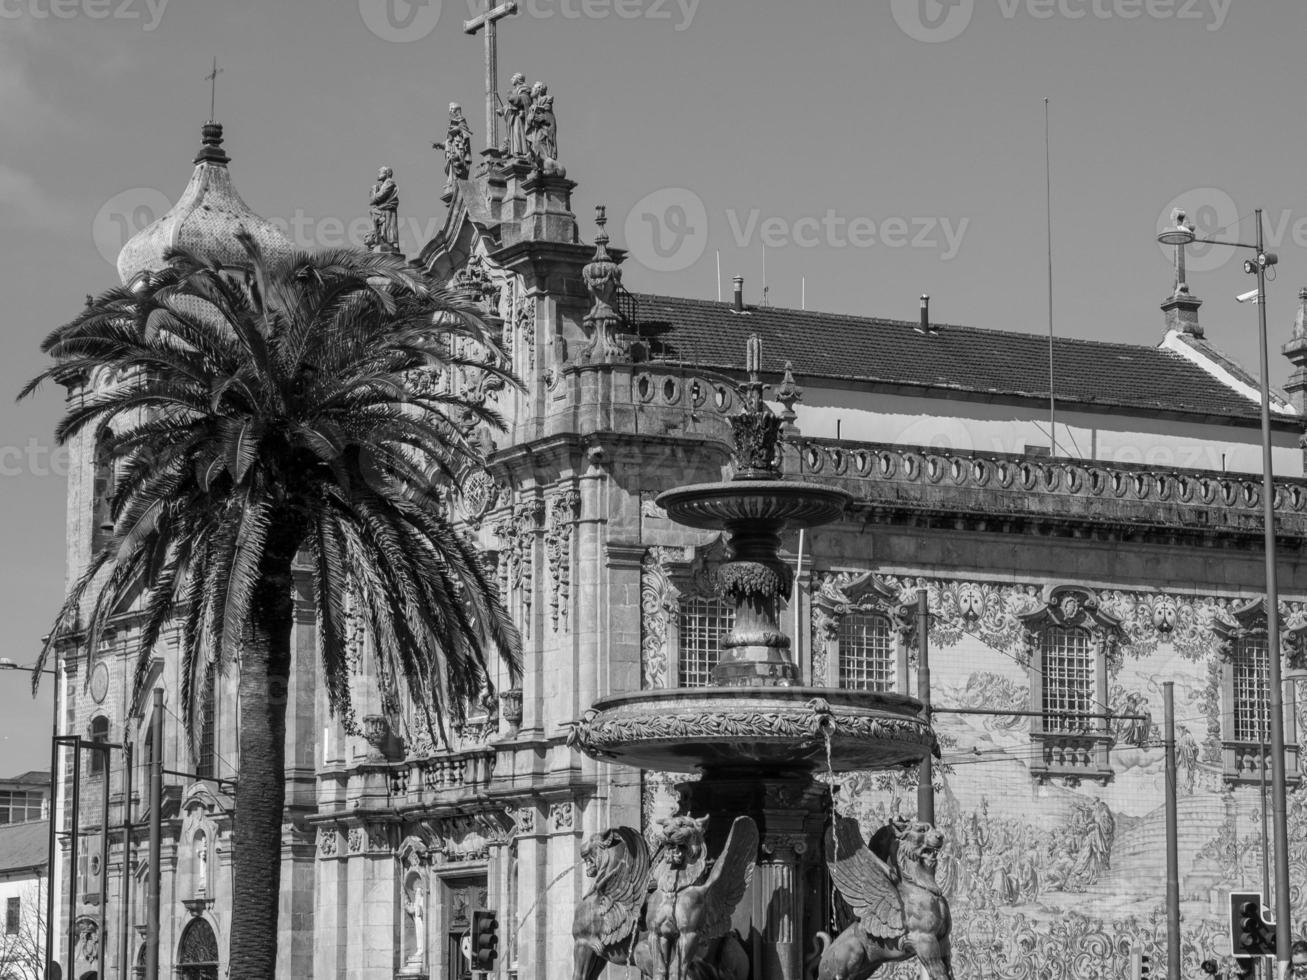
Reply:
x=838, y=594
x=1243, y=762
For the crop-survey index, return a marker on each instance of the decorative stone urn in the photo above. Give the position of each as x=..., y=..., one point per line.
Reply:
x=376, y=729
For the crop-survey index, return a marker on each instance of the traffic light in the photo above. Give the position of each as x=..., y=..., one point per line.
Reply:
x=485, y=940
x=1250, y=933
x=1141, y=964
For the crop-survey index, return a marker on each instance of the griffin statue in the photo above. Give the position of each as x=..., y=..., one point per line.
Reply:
x=899, y=910
x=668, y=915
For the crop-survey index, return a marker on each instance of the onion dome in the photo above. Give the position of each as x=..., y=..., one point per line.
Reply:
x=204, y=220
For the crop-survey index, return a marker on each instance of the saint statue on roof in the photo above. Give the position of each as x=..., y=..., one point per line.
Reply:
x=457, y=147
x=384, y=205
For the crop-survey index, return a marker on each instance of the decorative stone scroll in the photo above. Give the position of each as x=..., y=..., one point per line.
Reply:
x=658, y=598
x=564, y=510
x=517, y=530
x=1073, y=607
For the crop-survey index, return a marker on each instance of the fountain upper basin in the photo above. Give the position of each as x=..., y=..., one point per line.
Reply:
x=712, y=506
x=768, y=728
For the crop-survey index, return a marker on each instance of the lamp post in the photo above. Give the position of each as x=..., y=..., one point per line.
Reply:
x=1182, y=235
x=52, y=846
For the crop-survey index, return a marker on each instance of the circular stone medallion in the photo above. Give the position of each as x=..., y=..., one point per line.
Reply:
x=99, y=683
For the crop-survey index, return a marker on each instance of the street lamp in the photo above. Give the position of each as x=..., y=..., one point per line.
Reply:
x=7, y=664
x=1182, y=235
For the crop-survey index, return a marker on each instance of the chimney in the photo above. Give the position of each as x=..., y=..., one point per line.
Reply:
x=1296, y=351
x=925, y=326
x=739, y=294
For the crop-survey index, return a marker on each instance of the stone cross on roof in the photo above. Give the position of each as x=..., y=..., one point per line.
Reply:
x=488, y=20
x=212, y=79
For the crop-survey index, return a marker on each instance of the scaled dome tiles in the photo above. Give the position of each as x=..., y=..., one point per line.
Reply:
x=205, y=220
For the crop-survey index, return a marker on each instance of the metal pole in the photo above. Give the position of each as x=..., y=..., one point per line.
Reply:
x=1172, y=846
x=1279, y=800
x=53, y=847
x=1266, y=844
x=156, y=839
x=53, y=841
x=104, y=861
x=75, y=843
x=925, y=779
x=125, y=891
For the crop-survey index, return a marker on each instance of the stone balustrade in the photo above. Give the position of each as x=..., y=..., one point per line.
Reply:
x=1002, y=484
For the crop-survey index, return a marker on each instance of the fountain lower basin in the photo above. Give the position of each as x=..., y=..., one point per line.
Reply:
x=764, y=729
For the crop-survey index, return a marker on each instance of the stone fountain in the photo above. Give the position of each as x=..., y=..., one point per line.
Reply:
x=757, y=734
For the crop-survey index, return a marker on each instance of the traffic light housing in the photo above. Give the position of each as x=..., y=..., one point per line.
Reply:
x=485, y=940
x=1141, y=964
x=1250, y=933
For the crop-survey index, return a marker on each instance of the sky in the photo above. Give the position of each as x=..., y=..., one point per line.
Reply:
x=872, y=149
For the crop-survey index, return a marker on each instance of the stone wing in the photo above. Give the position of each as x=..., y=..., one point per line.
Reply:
x=865, y=881
x=729, y=878
x=621, y=894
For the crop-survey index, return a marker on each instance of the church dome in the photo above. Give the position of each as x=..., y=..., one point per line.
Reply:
x=204, y=220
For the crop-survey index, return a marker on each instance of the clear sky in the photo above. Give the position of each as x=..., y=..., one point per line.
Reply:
x=880, y=148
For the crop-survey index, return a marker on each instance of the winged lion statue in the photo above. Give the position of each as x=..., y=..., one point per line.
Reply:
x=669, y=914
x=899, y=910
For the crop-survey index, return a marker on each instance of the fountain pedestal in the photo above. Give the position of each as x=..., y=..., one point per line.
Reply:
x=789, y=896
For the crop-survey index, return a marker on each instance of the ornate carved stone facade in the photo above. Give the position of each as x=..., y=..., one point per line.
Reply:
x=564, y=510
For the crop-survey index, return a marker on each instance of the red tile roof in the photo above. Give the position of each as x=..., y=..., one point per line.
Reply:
x=956, y=358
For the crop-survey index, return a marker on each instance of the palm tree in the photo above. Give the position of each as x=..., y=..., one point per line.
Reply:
x=284, y=413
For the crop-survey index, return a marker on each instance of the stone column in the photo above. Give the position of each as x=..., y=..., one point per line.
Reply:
x=785, y=904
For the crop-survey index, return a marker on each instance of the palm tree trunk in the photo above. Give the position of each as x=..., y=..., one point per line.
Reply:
x=261, y=783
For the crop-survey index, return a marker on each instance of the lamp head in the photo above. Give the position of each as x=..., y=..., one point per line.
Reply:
x=7, y=664
x=1177, y=235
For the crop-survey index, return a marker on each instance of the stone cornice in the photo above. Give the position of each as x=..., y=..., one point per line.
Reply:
x=995, y=489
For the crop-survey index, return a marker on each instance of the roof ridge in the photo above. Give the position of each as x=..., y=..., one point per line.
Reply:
x=911, y=324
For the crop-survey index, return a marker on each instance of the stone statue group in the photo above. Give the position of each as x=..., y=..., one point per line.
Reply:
x=668, y=914
x=532, y=132
x=532, y=135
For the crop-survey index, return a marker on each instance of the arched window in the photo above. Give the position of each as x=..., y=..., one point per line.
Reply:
x=102, y=491
x=99, y=733
x=207, y=753
x=703, y=622
x=197, y=953
x=868, y=654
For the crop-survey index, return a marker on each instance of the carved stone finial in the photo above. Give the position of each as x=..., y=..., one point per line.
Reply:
x=603, y=279
x=789, y=393
x=757, y=428
x=384, y=206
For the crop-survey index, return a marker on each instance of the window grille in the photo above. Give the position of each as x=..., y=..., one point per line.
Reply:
x=867, y=653
x=704, y=620
x=1252, y=691
x=13, y=916
x=1068, y=680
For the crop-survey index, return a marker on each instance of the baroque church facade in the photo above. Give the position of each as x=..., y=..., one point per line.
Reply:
x=1063, y=588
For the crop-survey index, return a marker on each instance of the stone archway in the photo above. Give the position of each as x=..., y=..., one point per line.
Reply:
x=197, y=953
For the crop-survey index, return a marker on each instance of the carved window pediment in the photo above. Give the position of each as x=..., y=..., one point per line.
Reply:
x=837, y=594
x=1248, y=618
x=1074, y=607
